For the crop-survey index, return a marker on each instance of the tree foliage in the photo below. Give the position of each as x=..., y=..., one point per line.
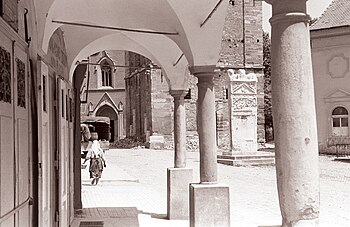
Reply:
x=267, y=86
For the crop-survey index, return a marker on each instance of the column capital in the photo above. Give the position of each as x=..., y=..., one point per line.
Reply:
x=287, y=9
x=202, y=70
x=178, y=93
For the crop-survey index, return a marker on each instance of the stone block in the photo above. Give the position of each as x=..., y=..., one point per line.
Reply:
x=156, y=142
x=209, y=205
x=178, y=182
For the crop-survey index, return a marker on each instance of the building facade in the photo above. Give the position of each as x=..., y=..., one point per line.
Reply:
x=330, y=39
x=103, y=90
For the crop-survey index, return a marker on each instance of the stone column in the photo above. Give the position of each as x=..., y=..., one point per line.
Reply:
x=179, y=177
x=209, y=201
x=294, y=114
x=179, y=128
x=206, y=124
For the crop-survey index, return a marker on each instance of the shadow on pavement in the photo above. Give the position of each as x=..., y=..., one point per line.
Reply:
x=109, y=216
x=345, y=159
x=156, y=216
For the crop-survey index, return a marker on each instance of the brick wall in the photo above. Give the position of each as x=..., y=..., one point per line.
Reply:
x=138, y=109
x=162, y=105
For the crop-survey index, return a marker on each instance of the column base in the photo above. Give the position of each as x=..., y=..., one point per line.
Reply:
x=209, y=205
x=177, y=192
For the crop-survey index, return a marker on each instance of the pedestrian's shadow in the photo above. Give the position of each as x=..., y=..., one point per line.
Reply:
x=108, y=216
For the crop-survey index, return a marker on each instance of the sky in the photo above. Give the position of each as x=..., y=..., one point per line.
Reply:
x=315, y=9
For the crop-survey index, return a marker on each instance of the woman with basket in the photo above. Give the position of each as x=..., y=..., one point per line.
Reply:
x=97, y=161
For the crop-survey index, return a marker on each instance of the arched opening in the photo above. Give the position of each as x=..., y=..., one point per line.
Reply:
x=340, y=121
x=107, y=111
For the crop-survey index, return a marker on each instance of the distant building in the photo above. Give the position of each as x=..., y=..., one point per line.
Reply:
x=104, y=81
x=330, y=39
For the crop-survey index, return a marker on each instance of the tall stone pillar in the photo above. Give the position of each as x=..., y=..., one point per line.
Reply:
x=209, y=201
x=294, y=114
x=179, y=177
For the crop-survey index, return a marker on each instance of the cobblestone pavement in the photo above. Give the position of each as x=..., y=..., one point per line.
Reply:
x=136, y=178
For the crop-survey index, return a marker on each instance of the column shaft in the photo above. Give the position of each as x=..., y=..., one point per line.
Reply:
x=294, y=116
x=206, y=126
x=179, y=129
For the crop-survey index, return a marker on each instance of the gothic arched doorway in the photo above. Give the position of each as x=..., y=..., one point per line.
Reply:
x=107, y=111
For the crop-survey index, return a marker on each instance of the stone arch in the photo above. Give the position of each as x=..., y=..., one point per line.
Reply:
x=112, y=114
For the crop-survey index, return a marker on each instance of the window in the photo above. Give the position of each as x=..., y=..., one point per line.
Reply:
x=106, y=74
x=340, y=122
x=9, y=12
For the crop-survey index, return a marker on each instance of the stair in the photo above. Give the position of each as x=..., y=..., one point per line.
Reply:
x=256, y=159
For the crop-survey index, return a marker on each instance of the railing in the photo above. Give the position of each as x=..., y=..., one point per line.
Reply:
x=16, y=209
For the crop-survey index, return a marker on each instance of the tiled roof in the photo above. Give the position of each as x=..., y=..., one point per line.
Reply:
x=336, y=15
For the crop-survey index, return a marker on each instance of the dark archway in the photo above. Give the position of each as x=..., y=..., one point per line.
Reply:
x=107, y=111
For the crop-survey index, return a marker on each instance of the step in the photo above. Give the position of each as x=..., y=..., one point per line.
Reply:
x=245, y=157
x=248, y=162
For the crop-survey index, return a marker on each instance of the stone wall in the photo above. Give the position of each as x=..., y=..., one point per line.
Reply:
x=162, y=105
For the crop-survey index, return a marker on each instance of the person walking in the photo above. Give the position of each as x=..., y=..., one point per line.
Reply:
x=97, y=161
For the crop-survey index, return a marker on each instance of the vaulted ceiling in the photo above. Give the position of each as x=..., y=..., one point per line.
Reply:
x=162, y=30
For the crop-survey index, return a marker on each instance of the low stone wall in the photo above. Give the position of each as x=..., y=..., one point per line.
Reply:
x=335, y=146
x=192, y=142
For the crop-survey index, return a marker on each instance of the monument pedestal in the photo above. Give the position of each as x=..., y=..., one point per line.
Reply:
x=209, y=205
x=243, y=110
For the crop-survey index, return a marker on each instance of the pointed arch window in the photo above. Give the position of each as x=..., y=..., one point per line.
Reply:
x=340, y=121
x=106, y=74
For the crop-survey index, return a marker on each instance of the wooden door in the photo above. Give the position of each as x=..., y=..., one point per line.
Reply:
x=14, y=133
x=46, y=217
x=21, y=136
x=63, y=154
x=7, y=191
x=70, y=105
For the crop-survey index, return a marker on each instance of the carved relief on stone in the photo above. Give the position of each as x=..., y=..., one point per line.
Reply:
x=243, y=88
x=21, y=84
x=338, y=66
x=5, y=76
x=240, y=75
x=243, y=102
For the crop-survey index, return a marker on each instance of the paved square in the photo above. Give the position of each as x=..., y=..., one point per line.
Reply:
x=136, y=179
